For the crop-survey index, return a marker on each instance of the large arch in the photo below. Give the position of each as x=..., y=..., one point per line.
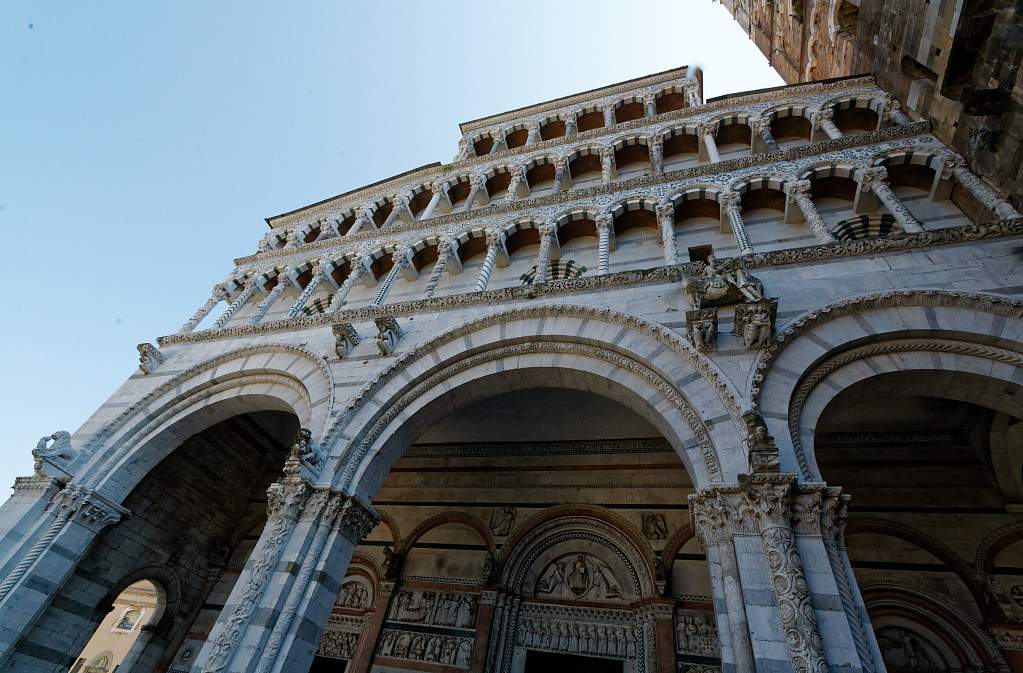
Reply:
x=866, y=336
x=668, y=383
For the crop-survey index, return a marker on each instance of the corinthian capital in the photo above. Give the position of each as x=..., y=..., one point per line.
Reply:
x=871, y=177
x=356, y=519
x=798, y=187
x=825, y=115
x=758, y=124
x=729, y=200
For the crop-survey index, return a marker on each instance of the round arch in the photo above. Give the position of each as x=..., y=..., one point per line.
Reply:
x=467, y=520
x=275, y=377
x=645, y=366
x=896, y=330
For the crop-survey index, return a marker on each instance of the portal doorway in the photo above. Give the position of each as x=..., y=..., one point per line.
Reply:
x=549, y=662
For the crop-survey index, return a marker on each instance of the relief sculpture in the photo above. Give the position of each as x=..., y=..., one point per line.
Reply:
x=579, y=577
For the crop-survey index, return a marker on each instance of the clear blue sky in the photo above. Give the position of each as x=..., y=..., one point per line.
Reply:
x=143, y=143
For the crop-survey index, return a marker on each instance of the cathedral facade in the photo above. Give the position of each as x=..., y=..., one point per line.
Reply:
x=637, y=382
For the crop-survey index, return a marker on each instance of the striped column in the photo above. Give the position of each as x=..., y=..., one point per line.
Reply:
x=283, y=283
x=731, y=204
x=307, y=292
x=398, y=260
x=494, y=241
x=543, y=257
x=445, y=249
x=799, y=191
x=239, y=301
x=876, y=180
x=360, y=267
x=603, y=243
x=666, y=223
x=219, y=294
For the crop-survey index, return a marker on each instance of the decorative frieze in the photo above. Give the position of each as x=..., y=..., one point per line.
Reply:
x=449, y=609
x=577, y=637
x=426, y=647
x=338, y=644
x=695, y=634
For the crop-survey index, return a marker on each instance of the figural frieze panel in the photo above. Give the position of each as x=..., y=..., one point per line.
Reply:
x=579, y=577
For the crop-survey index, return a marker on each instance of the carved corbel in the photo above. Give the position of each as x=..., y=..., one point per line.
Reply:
x=389, y=333
x=307, y=450
x=760, y=445
x=345, y=339
x=754, y=322
x=702, y=328
x=150, y=357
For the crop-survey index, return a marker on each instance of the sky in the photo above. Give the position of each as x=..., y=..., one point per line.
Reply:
x=143, y=143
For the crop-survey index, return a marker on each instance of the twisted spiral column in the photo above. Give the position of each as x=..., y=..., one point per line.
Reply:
x=876, y=181
x=731, y=203
x=603, y=243
x=543, y=257
x=218, y=295
x=283, y=283
x=799, y=191
x=307, y=292
x=494, y=240
x=666, y=223
x=445, y=249
x=239, y=301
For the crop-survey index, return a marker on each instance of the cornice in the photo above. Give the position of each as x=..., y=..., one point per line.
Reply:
x=661, y=274
x=569, y=196
x=575, y=99
x=406, y=180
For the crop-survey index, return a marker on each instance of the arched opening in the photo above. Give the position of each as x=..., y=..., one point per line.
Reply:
x=577, y=237
x=312, y=233
x=855, y=116
x=763, y=213
x=629, y=109
x=584, y=166
x=497, y=182
x=346, y=222
x=733, y=138
x=697, y=219
x=458, y=191
x=516, y=136
x=632, y=157
x=558, y=495
x=204, y=506
x=421, y=197
x=791, y=129
x=382, y=211
x=914, y=448
x=483, y=145
x=590, y=118
x=121, y=627
x=540, y=175
x=681, y=149
x=552, y=128
x=833, y=190
x=670, y=100
x=637, y=236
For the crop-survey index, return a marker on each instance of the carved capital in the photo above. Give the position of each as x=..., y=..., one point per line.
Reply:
x=495, y=238
x=665, y=211
x=798, y=187
x=709, y=518
x=356, y=519
x=825, y=115
x=86, y=507
x=872, y=177
x=758, y=124
x=603, y=222
x=286, y=499
x=952, y=163
x=547, y=230
x=729, y=200
x=806, y=511
x=710, y=129
x=770, y=499
x=219, y=291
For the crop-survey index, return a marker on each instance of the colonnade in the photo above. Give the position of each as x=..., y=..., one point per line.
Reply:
x=871, y=181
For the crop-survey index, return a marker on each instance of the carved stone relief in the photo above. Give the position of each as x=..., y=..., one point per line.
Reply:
x=579, y=576
x=435, y=608
x=502, y=519
x=696, y=634
x=427, y=647
x=905, y=650
x=654, y=526
x=338, y=644
x=353, y=594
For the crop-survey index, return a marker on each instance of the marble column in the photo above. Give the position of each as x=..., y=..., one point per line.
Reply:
x=218, y=295
x=955, y=168
x=533, y=137
x=876, y=180
x=440, y=192
x=710, y=146
x=400, y=206
x=731, y=206
x=656, y=148
x=364, y=220
x=604, y=225
x=360, y=268
x=307, y=292
x=499, y=144
x=515, y=184
x=762, y=129
x=560, y=173
x=239, y=301
x=283, y=283
x=475, y=185
x=710, y=522
x=445, y=250
x=570, y=127
x=400, y=259
x=666, y=223
x=823, y=119
x=607, y=164
x=893, y=110
x=495, y=240
x=609, y=116
x=543, y=257
x=799, y=193
x=650, y=104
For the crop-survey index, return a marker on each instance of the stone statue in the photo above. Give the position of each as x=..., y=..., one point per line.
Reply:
x=502, y=519
x=389, y=334
x=345, y=339
x=702, y=325
x=55, y=449
x=654, y=526
x=489, y=568
x=754, y=322
x=150, y=357
x=722, y=284
x=763, y=452
x=306, y=449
